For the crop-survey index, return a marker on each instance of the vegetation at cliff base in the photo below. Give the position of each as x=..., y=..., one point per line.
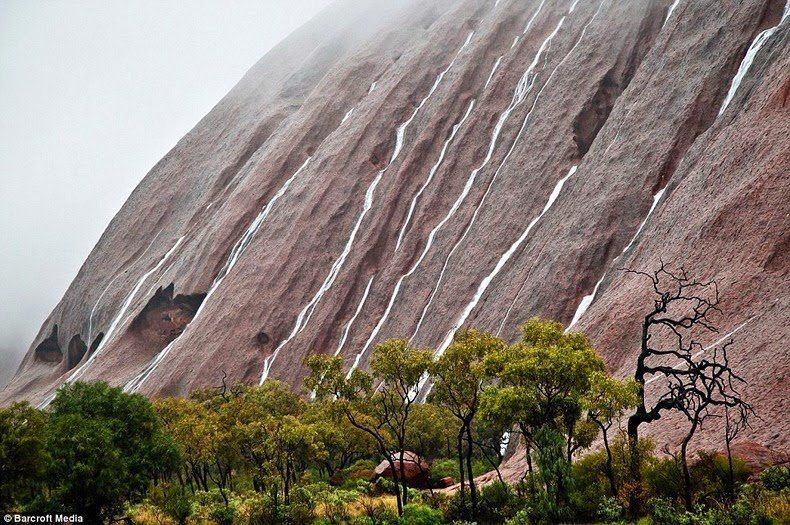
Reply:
x=416, y=439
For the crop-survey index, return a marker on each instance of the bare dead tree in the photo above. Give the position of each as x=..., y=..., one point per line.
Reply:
x=733, y=425
x=711, y=384
x=682, y=307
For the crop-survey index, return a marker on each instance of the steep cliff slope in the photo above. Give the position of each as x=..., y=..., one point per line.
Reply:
x=405, y=168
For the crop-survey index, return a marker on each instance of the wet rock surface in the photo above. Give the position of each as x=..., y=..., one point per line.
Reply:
x=452, y=163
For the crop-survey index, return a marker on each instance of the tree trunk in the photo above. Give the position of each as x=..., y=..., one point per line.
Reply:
x=634, y=496
x=461, y=468
x=403, y=476
x=609, y=469
x=685, y=464
x=398, y=495
x=472, y=487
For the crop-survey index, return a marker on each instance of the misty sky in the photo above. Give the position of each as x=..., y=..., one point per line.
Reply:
x=92, y=94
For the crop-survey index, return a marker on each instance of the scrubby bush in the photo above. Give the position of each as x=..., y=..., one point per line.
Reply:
x=173, y=501
x=418, y=514
x=776, y=478
x=495, y=502
x=223, y=515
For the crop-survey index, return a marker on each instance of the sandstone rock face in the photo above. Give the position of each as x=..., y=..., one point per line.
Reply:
x=404, y=168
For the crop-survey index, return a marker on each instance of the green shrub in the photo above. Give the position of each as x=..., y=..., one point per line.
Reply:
x=173, y=501
x=664, y=480
x=417, y=514
x=776, y=478
x=710, y=477
x=223, y=515
x=374, y=512
x=521, y=518
x=610, y=510
x=494, y=502
x=590, y=486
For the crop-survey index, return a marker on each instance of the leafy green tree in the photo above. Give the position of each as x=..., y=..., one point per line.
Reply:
x=24, y=458
x=343, y=444
x=459, y=381
x=606, y=402
x=258, y=419
x=431, y=433
x=384, y=411
x=542, y=382
x=106, y=448
x=197, y=431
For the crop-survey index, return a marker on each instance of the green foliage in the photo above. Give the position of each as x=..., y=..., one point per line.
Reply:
x=416, y=514
x=544, y=379
x=776, y=478
x=174, y=502
x=23, y=453
x=551, y=503
x=223, y=515
x=710, y=476
x=432, y=431
x=610, y=510
x=105, y=445
x=664, y=478
x=590, y=487
x=496, y=500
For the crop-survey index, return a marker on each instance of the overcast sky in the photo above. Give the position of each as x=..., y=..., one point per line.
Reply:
x=92, y=94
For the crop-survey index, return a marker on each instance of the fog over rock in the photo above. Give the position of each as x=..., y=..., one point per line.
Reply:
x=406, y=168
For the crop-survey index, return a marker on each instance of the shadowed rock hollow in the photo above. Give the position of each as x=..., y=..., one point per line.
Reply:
x=400, y=169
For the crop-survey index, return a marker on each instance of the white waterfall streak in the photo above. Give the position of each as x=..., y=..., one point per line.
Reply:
x=531, y=20
x=77, y=372
x=425, y=251
x=493, y=70
x=757, y=44
x=585, y=303
x=484, y=284
x=372, y=87
x=235, y=254
x=587, y=300
x=106, y=288
x=241, y=245
x=524, y=87
x=670, y=11
x=431, y=174
x=347, y=329
x=656, y=198
x=712, y=345
x=347, y=115
x=304, y=316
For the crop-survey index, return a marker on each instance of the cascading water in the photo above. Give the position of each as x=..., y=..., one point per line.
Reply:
x=235, y=254
x=431, y=174
x=77, y=372
x=525, y=86
x=484, y=284
x=757, y=44
x=425, y=251
x=304, y=316
x=587, y=300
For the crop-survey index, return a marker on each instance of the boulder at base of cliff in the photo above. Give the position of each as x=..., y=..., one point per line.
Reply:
x=415, y=469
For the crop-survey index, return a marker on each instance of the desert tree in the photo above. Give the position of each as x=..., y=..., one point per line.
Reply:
x=606, y=403
x=683, y=309
x=459, y=382
x=541, y=382
x=383, y=412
